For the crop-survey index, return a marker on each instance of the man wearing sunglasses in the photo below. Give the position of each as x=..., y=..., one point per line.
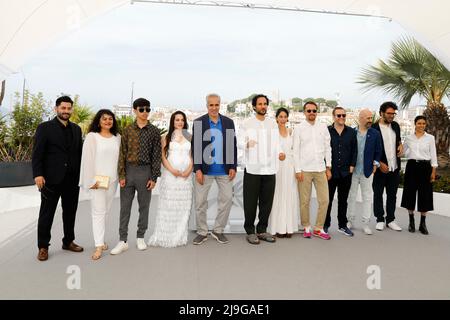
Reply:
x=343, y=161
x=139, y=168
x=387, y=175
x=312, y=161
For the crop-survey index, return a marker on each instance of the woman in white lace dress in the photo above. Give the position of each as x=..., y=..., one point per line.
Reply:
x=175, y=187
x=284, y=217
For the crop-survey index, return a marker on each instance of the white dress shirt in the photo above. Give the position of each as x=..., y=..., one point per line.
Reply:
x=261, y=159
x=312, y=149
x=389, y=141
x=423, y=148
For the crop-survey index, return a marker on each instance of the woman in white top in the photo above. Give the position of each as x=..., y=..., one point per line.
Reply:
x=420, y=172
x=175, y=188
x=283, y=219
x=99, y=158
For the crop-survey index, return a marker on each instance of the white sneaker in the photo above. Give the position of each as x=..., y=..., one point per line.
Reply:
x=380, y=226
x=140, y=243
x=394, y=226
x=349, y=225
x=120, y=247
x=367, y=230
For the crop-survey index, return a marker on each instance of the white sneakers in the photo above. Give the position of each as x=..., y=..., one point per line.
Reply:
x=394, y=226
x=140, y=243
x=123, y=246
x=380, y=226
x=367, y=230
x=120, y=247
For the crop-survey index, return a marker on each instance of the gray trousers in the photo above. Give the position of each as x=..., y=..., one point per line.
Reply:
x=136, y=180
x=224, y=202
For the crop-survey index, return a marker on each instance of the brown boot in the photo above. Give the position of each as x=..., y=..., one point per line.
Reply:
x=43, y=254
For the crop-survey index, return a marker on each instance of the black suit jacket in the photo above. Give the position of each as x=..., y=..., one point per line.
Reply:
x=200, y=141
x=396, y=127
x=51, y=156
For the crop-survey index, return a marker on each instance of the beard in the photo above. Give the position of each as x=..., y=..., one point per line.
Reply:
x=261, y=112
x=63, y=116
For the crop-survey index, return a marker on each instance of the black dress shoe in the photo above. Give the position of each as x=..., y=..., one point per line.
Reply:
x=412, y=227
x=423, y=228
x=73, y=247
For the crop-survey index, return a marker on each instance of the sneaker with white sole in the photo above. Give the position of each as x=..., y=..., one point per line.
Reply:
x=380, y=226
x=119, y=248
x=392, y=225
x=367, y=230
x=346, y=231
x=140, y=244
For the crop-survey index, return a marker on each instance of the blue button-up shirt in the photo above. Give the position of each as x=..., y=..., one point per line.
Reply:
x=361, y=138
x=217, y=168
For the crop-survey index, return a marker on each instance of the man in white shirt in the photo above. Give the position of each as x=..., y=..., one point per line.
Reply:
x=260, y=141
x=387, y=175
x=312, y=159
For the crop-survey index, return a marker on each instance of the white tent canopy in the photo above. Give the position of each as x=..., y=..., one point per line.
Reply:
x=28, y=26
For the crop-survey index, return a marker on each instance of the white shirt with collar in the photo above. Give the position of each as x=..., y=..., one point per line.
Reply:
x=423, y=148
x=312, y=149
x=389, y=141
x=261, y=159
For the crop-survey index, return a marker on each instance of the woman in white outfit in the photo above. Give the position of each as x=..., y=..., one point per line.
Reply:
x=283, y=219
x=99, y=158
x=175, y=188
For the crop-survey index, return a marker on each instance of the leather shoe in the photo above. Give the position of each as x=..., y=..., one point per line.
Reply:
x=43, y=254
x=73, y=247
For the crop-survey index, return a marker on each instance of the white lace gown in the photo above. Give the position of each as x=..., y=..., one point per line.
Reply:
x=175, y=199
x=284, y=217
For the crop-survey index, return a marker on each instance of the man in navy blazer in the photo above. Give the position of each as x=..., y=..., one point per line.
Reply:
x=387, y=175
x=367, y=162
x=214, y=152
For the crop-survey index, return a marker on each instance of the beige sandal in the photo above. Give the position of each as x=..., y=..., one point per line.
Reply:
x=105, y=247
x=98, y=253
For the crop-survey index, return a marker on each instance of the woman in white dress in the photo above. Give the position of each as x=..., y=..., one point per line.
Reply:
x=283, y=219
x=175, y=188
x=99, y=158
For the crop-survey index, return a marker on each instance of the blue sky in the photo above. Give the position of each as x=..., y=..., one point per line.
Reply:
x=178, y=54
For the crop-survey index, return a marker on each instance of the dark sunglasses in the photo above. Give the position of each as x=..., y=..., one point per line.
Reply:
x=142, y=109
x=341, y=115
x=311, y=110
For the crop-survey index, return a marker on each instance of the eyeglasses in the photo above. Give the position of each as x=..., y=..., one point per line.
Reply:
x=142, y=109
x=310, y=110
x=341, y=115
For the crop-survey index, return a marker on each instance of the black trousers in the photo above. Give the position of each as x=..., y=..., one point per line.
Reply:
x=388, y=181
x=68, y=191
x=258, y=190
x=417, y=181
x=343, y=188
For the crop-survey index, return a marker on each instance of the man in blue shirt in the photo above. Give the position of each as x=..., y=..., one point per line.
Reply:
x=214, y=152
x=368, y=159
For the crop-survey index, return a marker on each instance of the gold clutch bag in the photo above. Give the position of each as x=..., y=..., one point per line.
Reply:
x=103, y=181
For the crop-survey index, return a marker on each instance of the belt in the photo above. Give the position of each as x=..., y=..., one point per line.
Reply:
x=420, y=161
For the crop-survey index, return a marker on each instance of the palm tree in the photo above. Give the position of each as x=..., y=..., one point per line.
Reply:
x=412, y=70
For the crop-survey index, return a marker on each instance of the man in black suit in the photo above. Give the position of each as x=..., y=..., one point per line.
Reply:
x=387, y=175
x=215, y=159
x=56, y=171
